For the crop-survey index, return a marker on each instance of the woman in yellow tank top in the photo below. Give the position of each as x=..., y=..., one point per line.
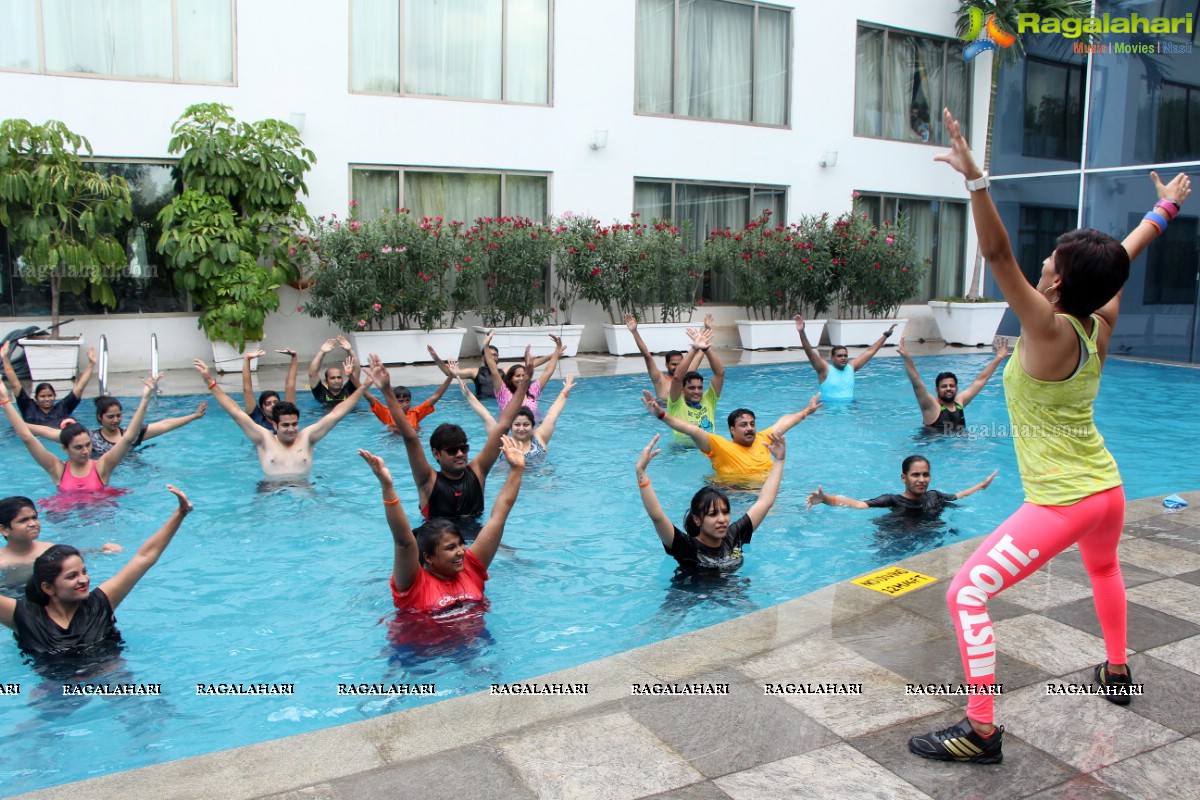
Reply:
x=1072, y=487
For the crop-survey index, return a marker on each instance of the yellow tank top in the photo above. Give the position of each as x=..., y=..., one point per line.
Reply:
x=1060, y=453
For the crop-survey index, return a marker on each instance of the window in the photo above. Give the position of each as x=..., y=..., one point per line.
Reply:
x=713, y=59
x=1178, y=130
x=1053, y=110
x=183, y=41
x=1171, y=263
x=145, y=286
x=1037, y=236
x=901, y=83
x=495, y=50
x=453, y=195
x=705, y=208
x=939, y=230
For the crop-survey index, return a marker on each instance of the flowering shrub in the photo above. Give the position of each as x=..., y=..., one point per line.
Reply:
x=395, y=272
x=627, y=267
x=508, y=263
x=776, y=271
x=875, y=268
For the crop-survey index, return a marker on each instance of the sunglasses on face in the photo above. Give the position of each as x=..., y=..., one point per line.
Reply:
x=456, y=449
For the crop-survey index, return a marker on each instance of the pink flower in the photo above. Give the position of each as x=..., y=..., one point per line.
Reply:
x=299, y=309
x=855, y=195
x=355, y=225
x=291, y=251
x=387, y=248
x=377, y=307
x=362, y=323
x=354, y=204
x=890, y=240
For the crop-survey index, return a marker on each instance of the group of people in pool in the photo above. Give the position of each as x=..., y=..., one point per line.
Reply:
x=1072, y=485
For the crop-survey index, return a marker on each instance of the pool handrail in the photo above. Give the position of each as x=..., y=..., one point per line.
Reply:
x=102, y=365
x=154, y=361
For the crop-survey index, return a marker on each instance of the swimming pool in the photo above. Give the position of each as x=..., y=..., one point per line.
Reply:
x=290, y=585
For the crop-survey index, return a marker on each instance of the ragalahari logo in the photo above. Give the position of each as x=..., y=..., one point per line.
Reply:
x=981, y=37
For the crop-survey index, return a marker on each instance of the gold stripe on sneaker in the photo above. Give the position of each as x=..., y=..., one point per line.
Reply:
x=962, y=748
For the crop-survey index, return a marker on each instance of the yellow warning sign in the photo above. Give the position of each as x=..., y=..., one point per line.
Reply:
x=894, y=580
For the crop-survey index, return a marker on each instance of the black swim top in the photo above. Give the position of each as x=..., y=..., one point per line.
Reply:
x=483, y=384
x=949, y=420
x=91, y=638
x=321, y=392
x=455, y=499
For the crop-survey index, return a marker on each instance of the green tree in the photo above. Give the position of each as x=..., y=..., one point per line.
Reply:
x=60, y=211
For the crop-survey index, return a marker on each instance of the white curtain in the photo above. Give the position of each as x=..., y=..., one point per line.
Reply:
x=375, y=45
x=452, y=48
x=951, y=251
x=920, y=216
x=712, y=208
x=525, y=196
x=655, y=56
x=958, y=96
x=110, y=37
x=527, y=52
x=376, y=191
x=206, y=40
x=652, y=200
x=715, y=60
x=18, y=43
x=772, y=55
x=461, y=196
x=897, y=87
x=868, y=83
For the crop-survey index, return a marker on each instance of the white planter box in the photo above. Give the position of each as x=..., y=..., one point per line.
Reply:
x=227, y=359
x=658, y=336
x=511, y=341
x=409, y=347
x=967, y=323
x=770, y=334
x=52, y=359
x=863, y=332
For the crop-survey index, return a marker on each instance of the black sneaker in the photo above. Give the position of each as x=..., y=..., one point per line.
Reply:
x=1117, y=687
x=959, y=743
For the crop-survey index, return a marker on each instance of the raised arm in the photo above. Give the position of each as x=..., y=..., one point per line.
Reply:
x=698, y=434
x=488, y=541
x=314, y=366
x=483, y=462
x=316, y=432
x=249, y=401
x=925, y=398
x=718, y=369
x=406, y=561
x=174, y=423
x=289, y=382
x=441, y=390
x=85, y=377
x=10, y=373
x=45, y=431
x=423, y=474
x=466, y=373
x=701, y=339
x=253, y=431
x=985, y=375
x=986, y=482
x=552, y=364
x=656, y=376
x=788, y=421
x=489, y=361
x=118, y=586
x=106, y=463
x=654, y=509
x=46, y=460
x=810, y=352
x=770, y=489
x=484, y=415
x=861, y=359
x=546, y=429
x=820, y=496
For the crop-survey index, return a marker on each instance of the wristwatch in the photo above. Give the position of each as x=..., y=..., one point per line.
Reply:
x=982, y=182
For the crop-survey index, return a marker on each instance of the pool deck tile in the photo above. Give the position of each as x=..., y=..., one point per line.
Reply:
x=748, y=745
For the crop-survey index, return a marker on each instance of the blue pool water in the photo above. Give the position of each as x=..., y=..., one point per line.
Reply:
x=290, y=585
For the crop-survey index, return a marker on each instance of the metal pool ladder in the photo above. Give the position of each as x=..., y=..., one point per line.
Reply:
x=102, y=365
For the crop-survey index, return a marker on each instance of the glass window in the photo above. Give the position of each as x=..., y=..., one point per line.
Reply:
x=1178, y=128
x=713, y=59
x=496, y=50
x=452, y=195
x=939, y=229
x=1171, y=263
x=705, y=208
x=902, y=81
x=168, y=40
x=1053, y=110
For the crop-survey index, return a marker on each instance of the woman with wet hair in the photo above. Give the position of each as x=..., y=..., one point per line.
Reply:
x=709, y=542
x=109, y=412
x=917, y=497
x=79, y=472
x=435, y=571
x=62, y=618
x=533, y=438
x=1073, y=492
x=44, y=408
x=506, y=383
x=20, y=527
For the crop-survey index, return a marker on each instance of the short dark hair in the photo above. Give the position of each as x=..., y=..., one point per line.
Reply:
x=526, y=411
x=508, y=377
x=103, y=403
x=37, y=389
x=267, y=395
x=70, y=431
x=702, y=502
x=737, y=412
x=1093, y=267
x=11, y=506
x=284, y=409
x=692, y=376
x=671, y=354
x=402, y=392
x=430, y=534
x=908, y=462
x=833, y=350
x=447, y=435
x=941, y=376
x=46, y=569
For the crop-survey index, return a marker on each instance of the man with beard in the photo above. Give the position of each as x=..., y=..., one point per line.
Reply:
x=943, y=412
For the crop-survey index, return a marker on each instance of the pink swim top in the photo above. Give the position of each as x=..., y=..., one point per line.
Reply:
x=88, y=483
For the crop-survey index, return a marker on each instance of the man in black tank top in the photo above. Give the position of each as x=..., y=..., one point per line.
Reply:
x=455, y=490
x=943, y=412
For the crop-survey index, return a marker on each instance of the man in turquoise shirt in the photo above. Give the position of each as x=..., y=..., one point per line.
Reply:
x=836, y=375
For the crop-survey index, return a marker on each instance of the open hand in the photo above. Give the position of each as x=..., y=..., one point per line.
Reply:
x=1178, y=189
x=184, y=505
x=377, y=466
x=630, y=322
x=815, y=498
x=512, y=452
x=959, y=157
x=648, y=454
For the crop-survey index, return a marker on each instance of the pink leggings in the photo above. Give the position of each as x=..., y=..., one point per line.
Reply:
x=1018, y=548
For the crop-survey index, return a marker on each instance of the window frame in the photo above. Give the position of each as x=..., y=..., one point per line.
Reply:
x=942, y=220
x=400, y=169
x=675, y=57
x=1069, y=67
x=175, y=79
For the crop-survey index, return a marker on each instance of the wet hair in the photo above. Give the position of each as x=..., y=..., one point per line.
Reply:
x=737, y=412
x=692, y=376
x=524, y=411
x=833, y=350
x=908, y=462
x=429, y=535
x=69, y=432
x=941, y=376
x=11, y=506
x=46, y=569
x=267, y=395
x=284, y=409
x=103, y=403
x=1093, y=267
x=402, y=393
x=37, y=389
x=704, y=501
x=508, y=377
x=447, y=435
x=671, y=354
